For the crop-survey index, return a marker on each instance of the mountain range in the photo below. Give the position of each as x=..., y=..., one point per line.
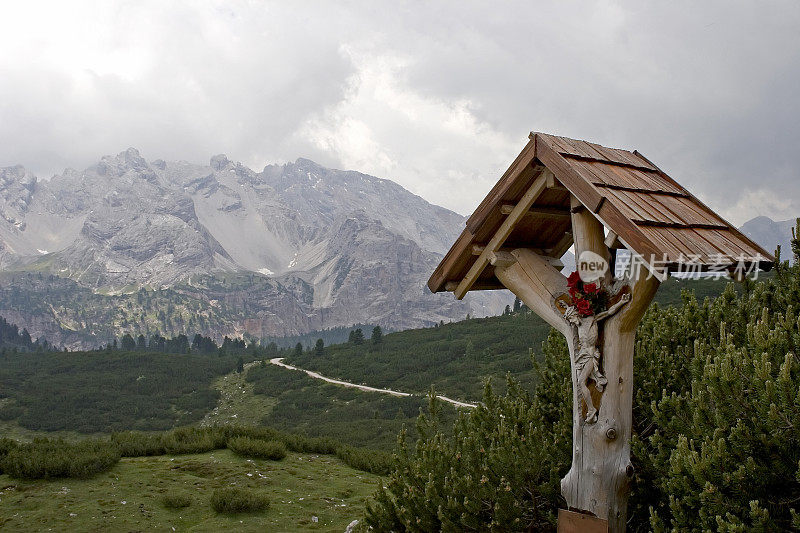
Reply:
x=130, y=245
x=294, y=248
x=771, y=234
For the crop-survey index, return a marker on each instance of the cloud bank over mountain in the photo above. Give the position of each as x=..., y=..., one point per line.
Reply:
x=436, y=98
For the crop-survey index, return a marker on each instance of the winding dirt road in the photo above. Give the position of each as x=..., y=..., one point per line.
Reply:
x=279, y=362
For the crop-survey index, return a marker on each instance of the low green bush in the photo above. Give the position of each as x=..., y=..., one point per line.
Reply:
x=374, y=461
x=254, y=432
x=366, y=459
x=11, y=412
x=238, y=500
x=303, y=444
x=176, y=501
x=47, y=459
x=6, y=445
x=139, y=443
x=257, y=448
x=178, y=441
x=193, y=440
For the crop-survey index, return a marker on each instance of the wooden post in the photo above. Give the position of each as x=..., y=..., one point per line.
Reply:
x=598, y=481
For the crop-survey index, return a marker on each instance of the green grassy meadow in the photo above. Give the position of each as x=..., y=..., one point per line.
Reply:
x=237, y=402
x=129, y=496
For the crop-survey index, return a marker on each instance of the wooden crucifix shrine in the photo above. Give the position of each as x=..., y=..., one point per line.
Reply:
x=561, y=193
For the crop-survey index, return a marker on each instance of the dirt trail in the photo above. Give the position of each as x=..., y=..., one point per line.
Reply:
x=279, y=362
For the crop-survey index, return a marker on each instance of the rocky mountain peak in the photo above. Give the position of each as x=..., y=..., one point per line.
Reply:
x=126, y=162
x=770, y=234
x=16, y=174
x=303, y=162
x=17, y=186
x=219, y=162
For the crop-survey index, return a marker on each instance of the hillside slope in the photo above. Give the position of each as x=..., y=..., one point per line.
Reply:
x=456, y=358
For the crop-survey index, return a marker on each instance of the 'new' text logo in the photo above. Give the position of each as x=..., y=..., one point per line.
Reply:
x=591, y=266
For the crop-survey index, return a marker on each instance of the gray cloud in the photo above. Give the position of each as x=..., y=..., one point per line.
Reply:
x=437, y=96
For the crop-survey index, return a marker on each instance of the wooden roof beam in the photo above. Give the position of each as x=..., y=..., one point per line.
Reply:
x=563, y=245
x=477, y=249
x=612, y=241
x=505, y=258
x=502, y=233
x=554, y=185
x=551, y=212
x=480, y=285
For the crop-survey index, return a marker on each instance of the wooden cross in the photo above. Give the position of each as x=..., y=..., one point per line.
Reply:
x=561, y=193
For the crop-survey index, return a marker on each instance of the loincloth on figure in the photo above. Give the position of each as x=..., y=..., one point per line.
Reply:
x=591, y=356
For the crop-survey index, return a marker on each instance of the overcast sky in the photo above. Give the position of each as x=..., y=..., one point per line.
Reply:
x=438, y=96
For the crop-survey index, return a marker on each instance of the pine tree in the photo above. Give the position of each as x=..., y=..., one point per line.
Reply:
x=470, y=351
x=319, y=348
x=298, y=349
x=157, y=343
x=498, y=470
x=181, y=344
x=197, y=342
x=720, y=424
x=357, y=336
x=377, y=335
x=127, y=342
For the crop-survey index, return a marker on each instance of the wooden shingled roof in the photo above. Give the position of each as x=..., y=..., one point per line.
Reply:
x=649, y=212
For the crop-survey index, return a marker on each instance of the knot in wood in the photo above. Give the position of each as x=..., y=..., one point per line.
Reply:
x=611, y=433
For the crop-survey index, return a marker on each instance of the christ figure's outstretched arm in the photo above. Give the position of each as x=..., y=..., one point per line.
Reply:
x=614, y=308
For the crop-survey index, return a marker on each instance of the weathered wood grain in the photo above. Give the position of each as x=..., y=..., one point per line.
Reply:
x=501, y=235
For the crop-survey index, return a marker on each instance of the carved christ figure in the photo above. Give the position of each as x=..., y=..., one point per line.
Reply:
x=587, y=356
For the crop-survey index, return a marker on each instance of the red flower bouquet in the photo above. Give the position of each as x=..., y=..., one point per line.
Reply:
x=584, y=307
x=588, y=298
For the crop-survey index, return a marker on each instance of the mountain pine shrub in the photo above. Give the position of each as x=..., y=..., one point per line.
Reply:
x=716, y=430
x=176, y=500
x=238, y=500
x=56, y=458
x=499, y=470
x=257, y=448
x=6, y=445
